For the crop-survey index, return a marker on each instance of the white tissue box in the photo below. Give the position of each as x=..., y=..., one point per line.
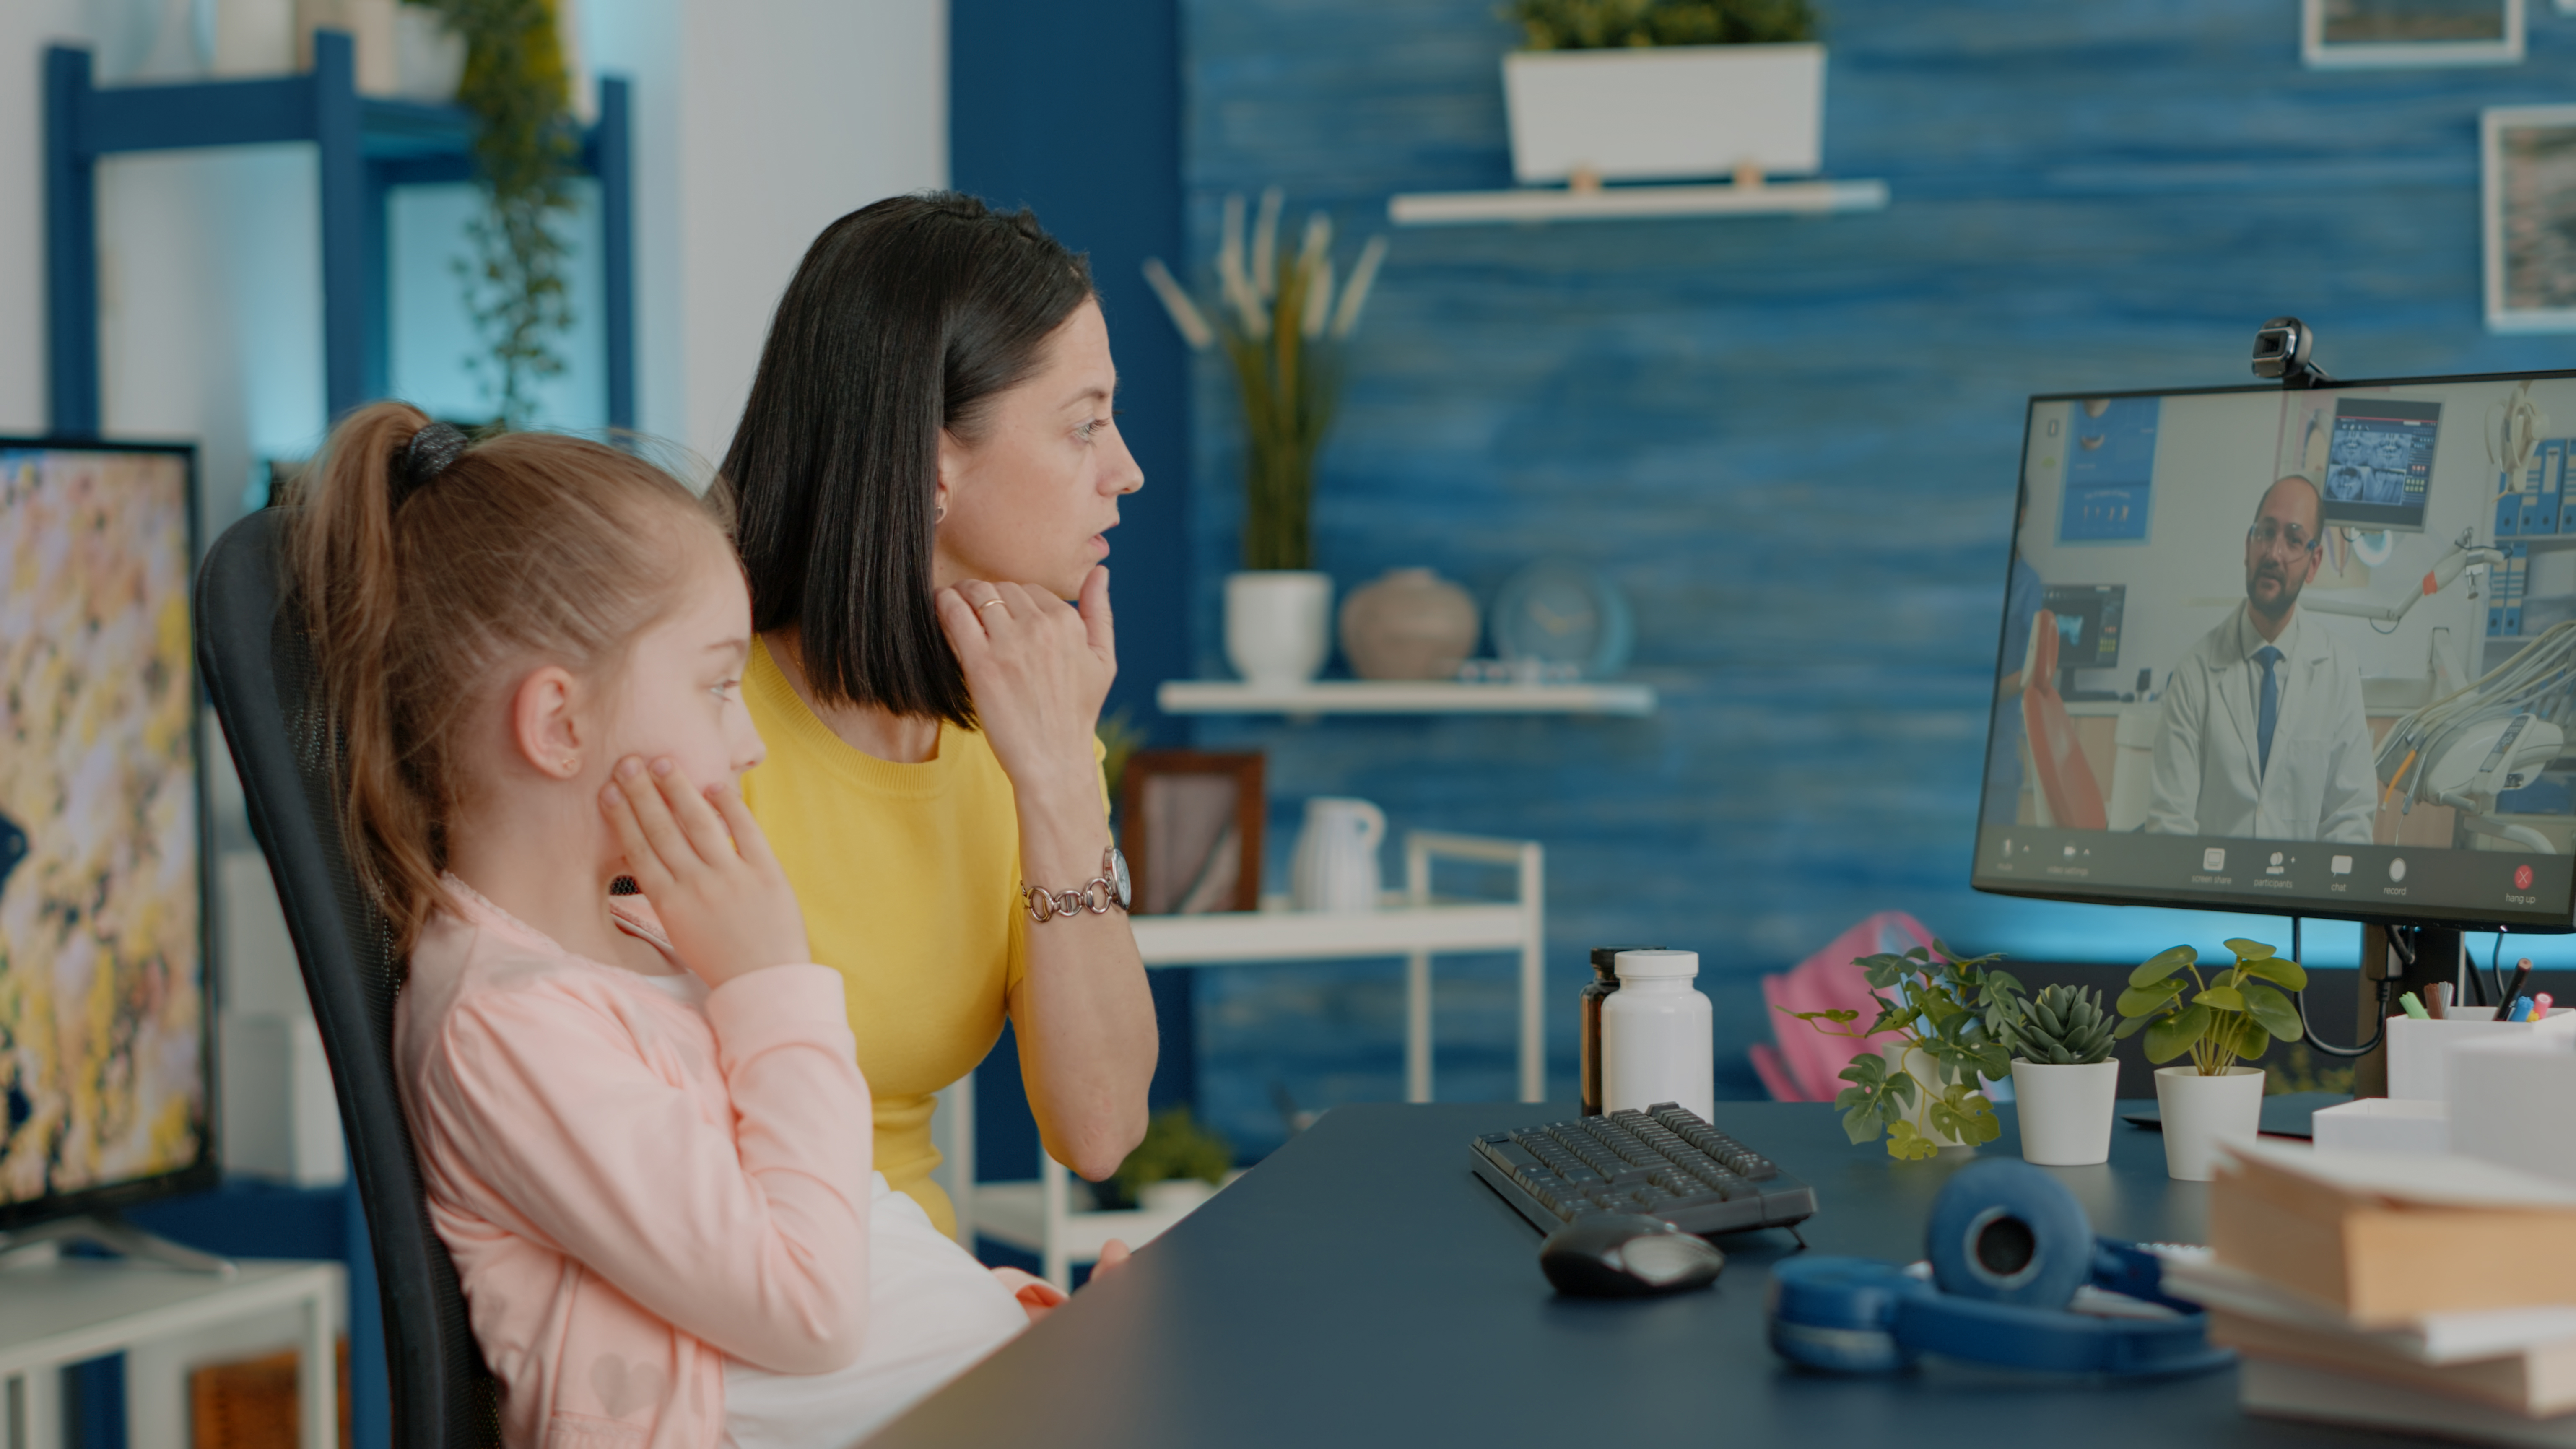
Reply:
x=2385, y=1124
x=2509, y=1099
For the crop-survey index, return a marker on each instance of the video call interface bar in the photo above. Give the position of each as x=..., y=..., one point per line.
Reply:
x=2529, y=891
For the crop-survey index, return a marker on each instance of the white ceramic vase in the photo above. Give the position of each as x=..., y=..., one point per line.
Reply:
x=1335, y=867
x=2201, y=1112
x=1665, y=113
x=1278, y=625
x=1918, y=1064
x=2065, y=1111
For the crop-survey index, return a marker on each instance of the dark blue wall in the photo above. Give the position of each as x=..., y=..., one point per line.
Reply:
x=1074, y=112
x=1791, y=442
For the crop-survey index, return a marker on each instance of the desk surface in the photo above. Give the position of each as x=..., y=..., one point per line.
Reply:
x=1288, y=1312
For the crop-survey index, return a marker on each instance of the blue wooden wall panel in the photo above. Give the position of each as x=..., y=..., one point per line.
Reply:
x=1792, y=443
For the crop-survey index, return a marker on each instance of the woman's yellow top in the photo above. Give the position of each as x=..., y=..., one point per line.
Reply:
x=909, y=876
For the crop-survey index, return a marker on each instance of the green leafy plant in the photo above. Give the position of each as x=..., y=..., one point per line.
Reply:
x=1175, y=1146
x=1944, y=1009
x=1120, y=738
x=2063, y=1026
x=1283, y=328
x=2231, y=1016
x=2298, y=1070
x=1611, y=24
x=517, y=87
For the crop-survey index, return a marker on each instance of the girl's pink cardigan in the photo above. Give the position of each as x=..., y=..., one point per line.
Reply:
x=633, y=1190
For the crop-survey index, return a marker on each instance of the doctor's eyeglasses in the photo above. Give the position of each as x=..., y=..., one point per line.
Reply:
x=2267, y=533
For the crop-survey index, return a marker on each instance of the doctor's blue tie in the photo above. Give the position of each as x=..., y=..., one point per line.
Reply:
x=2268, y=713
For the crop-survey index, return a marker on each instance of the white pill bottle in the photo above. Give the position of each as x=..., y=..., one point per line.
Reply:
x=1655, y=1036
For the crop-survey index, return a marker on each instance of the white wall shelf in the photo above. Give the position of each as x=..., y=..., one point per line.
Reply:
x=1381, y=696
x=1634, y=203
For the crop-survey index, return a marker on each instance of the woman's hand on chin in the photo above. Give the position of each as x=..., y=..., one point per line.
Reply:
x=1038, y=669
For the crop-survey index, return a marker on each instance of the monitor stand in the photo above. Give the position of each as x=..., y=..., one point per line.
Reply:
x=2410, y=958
x=111, y=1231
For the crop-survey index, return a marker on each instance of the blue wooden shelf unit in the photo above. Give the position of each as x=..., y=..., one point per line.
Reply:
x=368, y=147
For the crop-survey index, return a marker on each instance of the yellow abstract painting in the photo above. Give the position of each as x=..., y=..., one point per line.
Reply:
x=102, y=976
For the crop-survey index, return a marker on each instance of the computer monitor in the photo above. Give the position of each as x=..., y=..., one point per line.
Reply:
x=2088, y=623
x=2351, y=698
x=106, y=1040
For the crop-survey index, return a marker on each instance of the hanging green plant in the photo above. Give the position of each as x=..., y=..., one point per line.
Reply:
x=517, y=86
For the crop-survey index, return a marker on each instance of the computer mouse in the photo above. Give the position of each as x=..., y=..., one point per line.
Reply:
x=1620, y=1255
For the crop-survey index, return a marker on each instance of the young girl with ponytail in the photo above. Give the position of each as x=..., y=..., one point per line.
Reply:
x=643, y=1135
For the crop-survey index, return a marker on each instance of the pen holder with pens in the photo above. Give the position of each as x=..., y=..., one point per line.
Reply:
x=2440, y=1101
x=2417, y=1049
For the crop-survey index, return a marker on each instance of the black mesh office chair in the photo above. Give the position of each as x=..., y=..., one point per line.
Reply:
x=259, y=674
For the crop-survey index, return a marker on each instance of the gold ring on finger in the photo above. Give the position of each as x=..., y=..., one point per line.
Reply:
x=990, y=604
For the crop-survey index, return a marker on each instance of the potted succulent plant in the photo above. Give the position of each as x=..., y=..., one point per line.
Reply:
x=2223, y=1021
x=1282, y=326
x=2064, y=1080
x=1176, y=1167
x=1922, y=1089
x=1664, y=90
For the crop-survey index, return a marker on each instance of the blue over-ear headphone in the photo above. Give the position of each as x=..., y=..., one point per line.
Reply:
x=2009, y=1246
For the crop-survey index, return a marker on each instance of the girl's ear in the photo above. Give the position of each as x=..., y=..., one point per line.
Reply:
x=546, y=727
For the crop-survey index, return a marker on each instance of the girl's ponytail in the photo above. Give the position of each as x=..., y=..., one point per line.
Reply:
x=399, y=549
x=344, y=564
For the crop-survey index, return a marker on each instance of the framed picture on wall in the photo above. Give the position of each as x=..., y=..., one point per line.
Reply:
x=1190, y=822
x=2529, y=193
x=2362, y=33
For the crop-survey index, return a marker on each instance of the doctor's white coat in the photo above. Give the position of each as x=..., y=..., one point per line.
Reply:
x=2322, y=784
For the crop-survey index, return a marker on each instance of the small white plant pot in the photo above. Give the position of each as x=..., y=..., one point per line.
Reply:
x=2201, y=1112
x=1278, y=625
x=1175, y=1196
x=2065, y=1111
x=1665, y=113
x=1919, y=1065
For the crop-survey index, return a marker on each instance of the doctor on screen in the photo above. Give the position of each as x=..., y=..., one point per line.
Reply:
x=2263, y=734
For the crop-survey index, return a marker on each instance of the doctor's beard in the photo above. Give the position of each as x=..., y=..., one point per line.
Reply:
x=2282, y=603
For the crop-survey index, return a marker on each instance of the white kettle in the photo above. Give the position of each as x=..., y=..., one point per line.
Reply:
x=1336, y=864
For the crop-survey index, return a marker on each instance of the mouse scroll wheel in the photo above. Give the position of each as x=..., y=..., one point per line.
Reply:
x=1665, y=1257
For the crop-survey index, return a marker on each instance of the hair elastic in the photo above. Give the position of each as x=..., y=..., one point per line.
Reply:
x=429, y=453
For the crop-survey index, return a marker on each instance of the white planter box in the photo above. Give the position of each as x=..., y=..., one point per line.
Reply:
x=1671, y=113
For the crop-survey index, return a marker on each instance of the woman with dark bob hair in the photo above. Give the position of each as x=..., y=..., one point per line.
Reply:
x=925, y=472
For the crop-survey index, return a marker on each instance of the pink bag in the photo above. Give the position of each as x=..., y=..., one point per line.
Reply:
x=1807, y=1064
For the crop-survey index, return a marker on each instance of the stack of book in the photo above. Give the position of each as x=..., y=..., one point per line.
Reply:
x=2393, y=1290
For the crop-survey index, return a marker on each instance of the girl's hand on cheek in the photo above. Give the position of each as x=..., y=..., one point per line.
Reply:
x=701, y=860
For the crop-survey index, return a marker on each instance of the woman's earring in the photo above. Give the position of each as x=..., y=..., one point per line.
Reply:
x=939, y=514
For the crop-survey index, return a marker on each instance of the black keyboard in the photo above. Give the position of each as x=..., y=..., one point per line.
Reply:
x=1664, y=1162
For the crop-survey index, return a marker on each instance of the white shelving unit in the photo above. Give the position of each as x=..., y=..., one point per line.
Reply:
x=1413, y=926
x=57, y=1311
x=1633, y=203
x=1386, y=696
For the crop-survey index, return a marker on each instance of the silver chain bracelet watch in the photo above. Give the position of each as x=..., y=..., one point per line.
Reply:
x=1096, y=895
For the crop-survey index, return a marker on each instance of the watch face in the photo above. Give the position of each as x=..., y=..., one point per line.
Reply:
x=1117, y=873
